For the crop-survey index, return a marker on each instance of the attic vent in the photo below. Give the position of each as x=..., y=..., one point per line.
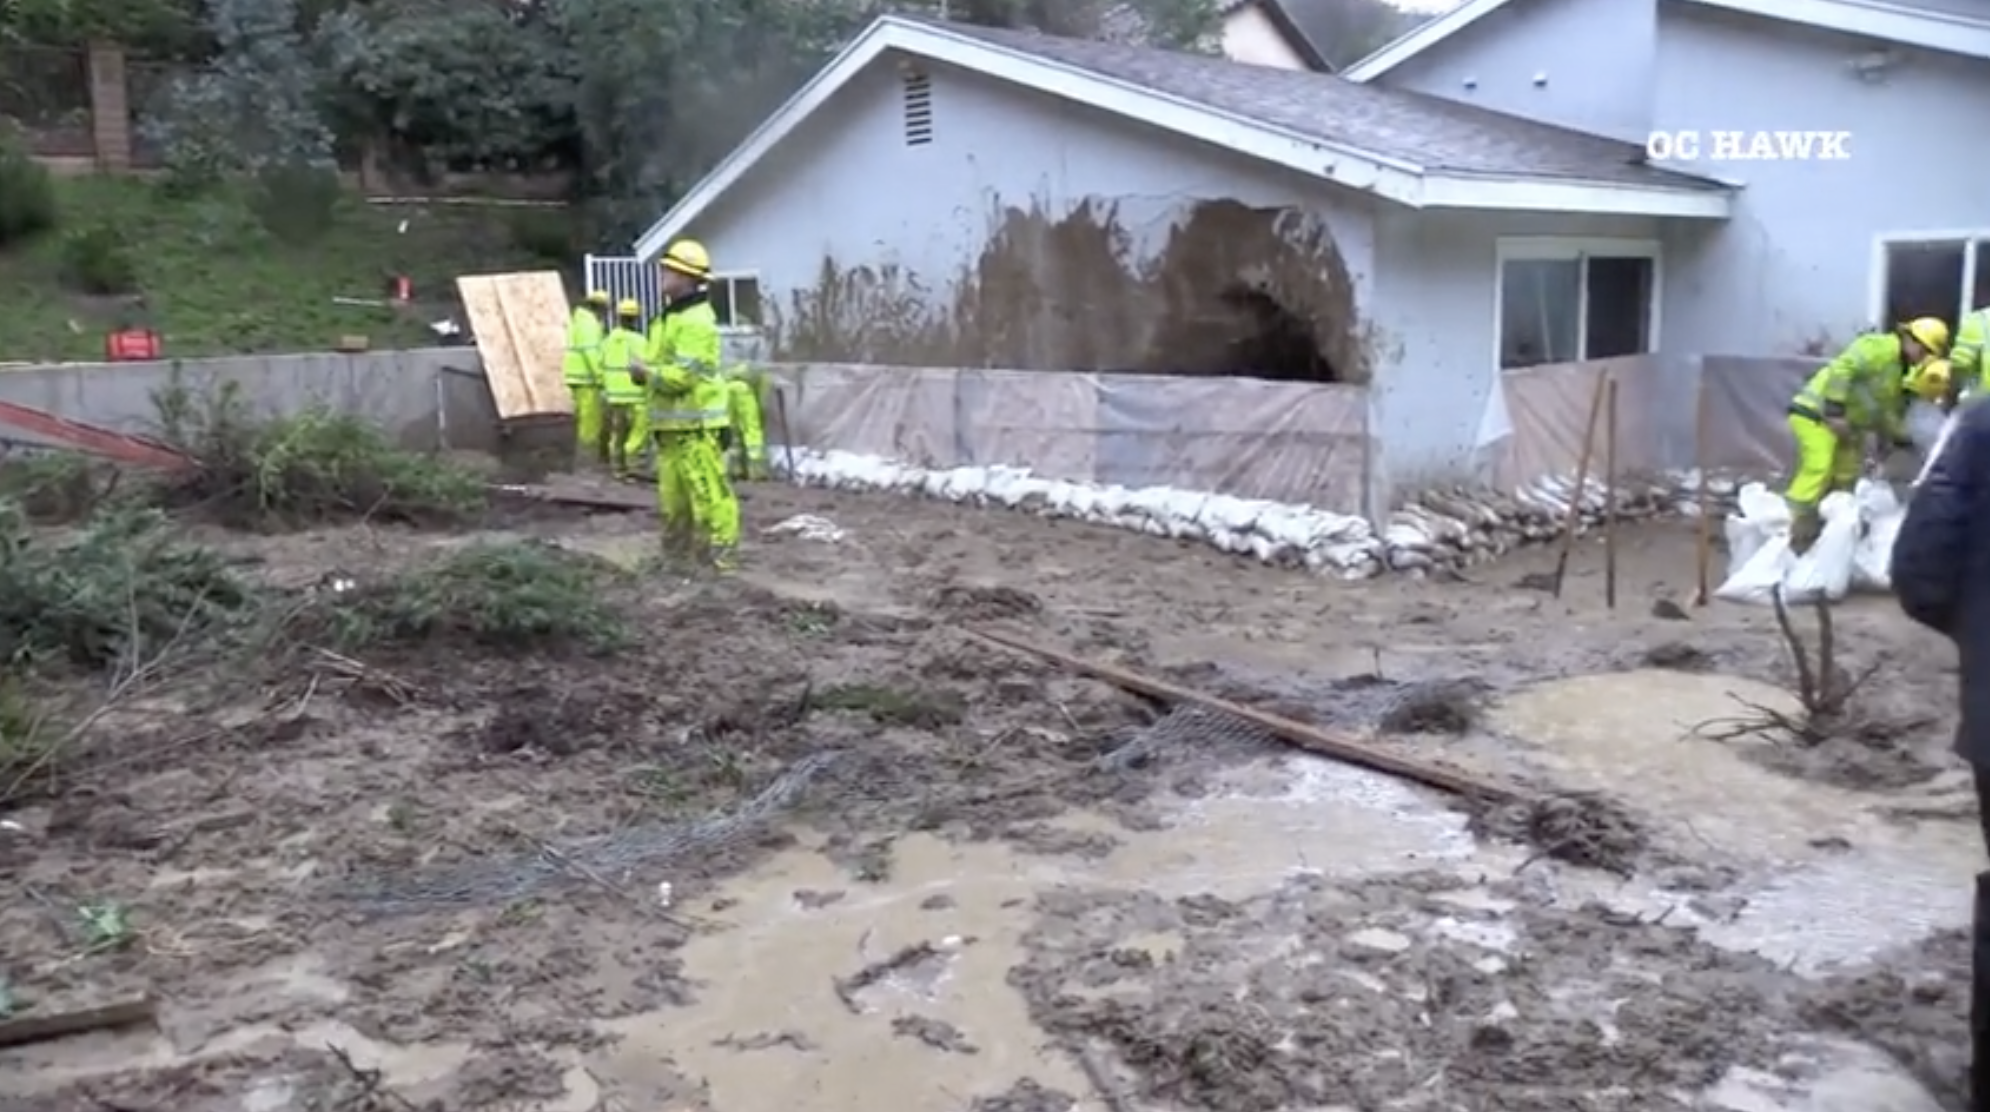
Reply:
x=918, y=109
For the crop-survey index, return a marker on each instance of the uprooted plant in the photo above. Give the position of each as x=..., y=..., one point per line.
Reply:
x=304, y=468
x=94, y=617
x=1824, y=690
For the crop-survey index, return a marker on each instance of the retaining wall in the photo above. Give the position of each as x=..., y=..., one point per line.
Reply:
x=429, y=399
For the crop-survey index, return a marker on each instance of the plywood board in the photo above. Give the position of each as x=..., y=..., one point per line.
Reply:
x=520, y=322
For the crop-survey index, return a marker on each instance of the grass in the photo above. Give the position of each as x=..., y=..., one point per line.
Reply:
x=214, y=282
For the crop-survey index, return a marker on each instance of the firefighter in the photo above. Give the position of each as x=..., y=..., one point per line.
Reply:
x=746, y=443
x=1969, y=365
x=1855, y=398
x=621, y=390
x=582, y=371
x=687, y=401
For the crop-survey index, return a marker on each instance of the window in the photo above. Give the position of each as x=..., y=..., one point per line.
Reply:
x=1933, y=276
x=918, y=109
x=1565, y=300
x=736, y=299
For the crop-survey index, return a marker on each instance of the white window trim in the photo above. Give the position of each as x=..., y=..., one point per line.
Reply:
x=727, y=327
x=1574, y=249
x=1876, y=273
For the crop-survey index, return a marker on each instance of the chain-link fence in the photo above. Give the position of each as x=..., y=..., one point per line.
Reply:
x=45, y=96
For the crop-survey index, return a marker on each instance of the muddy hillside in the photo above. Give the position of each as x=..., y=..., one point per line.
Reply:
x=320, y=799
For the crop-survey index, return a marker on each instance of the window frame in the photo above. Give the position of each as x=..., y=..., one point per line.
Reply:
x=731, y=327
x=1575, y=249
x=1877, y=273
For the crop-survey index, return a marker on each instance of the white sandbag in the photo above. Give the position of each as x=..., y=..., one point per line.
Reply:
x=1881, y=513
x=1924, y=426
x=1759, y=516
x=1823, y=572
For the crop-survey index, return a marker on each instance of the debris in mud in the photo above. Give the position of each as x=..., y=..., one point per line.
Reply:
x=1587, y=829
x=813, y=900
x=558, y=723
x=1060, y=841
x=1678, y=656
x=891, y=706
x=936, y=1033
x=1202, y=1054
x=905, y=960
x=1450, y=706
x=981, y=604
x=1915, y=1008
x=1667, y=610
x=1026, y=1095
x=938, y=903
x=767, y=1040
x=508, y=1078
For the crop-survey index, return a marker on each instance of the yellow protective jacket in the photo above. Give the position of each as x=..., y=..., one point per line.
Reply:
x=582, y=366
x=686, y=390
x=1864, y=385
x=1969, y=368
x=618, y=352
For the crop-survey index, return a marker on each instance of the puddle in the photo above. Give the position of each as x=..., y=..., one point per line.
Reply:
x=770, y=1028
x=1630, y=734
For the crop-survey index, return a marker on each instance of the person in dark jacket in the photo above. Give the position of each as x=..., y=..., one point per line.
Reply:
x=1941, y=575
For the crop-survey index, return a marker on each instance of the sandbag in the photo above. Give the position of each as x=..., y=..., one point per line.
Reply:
x=1825, y=572
x=1882, y=514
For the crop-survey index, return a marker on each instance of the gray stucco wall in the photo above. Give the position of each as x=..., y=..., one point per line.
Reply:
x=1795, y=267
x=1597, y=57
x=428, y=399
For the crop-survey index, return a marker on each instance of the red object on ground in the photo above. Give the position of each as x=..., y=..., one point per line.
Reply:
x=132, y=345
x=404, y=289
x=90, y=439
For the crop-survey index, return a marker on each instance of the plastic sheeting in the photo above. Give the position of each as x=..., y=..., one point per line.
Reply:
x=1290, y=442
x=1543, y=412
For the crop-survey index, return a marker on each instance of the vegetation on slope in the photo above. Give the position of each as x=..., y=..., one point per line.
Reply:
x=226, y=271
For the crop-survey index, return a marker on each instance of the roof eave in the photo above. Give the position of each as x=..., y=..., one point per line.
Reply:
x=1471, y=191
x=1421, y=38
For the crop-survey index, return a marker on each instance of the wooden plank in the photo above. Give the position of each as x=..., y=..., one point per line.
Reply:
x=1310, y=738
x=520, y=324
x=91, y=440
x=22, y=1030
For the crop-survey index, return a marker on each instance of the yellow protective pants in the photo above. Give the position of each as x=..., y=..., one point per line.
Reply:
x=621, y=417
x=748, y=429
x=1824, y=463
x=694, y=498
x=590, y=423
x=636, y=440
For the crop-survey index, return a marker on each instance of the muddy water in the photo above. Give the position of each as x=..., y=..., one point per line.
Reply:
x=769, y=976
x=1816, y=861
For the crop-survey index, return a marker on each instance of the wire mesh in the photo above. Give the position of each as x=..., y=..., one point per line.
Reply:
x=504, y=879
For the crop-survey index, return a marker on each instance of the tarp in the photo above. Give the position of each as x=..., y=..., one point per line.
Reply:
x=1285, y=441
x=520, y=322
x=1534, y=425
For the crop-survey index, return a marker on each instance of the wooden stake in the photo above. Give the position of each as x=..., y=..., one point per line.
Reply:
x=787, y=434
x=1581, y=483
x=1610, y=502
x=22, y=1030
x=1704, y=542
x=1310, y=738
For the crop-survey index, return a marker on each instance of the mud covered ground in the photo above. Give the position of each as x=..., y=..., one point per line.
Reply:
x=487, y=880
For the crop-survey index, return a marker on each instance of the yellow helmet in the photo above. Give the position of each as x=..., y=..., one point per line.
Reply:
x=629, y=307
x=1931, y=380
x=598, y=297
x=689, y=257
x=1932, y=332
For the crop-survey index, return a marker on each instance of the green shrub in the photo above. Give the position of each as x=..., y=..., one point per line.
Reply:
x=305, y=468
x=517, y=596
x=544, y=234
x=99, y=261
x=296, y=202
x=27, y=195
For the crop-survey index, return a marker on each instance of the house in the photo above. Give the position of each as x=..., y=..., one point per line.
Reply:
x=1264, y=33
x=1815, y=248
x=948, y=196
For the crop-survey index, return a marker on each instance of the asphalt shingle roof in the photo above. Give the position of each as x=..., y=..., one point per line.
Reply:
x=1438, y=135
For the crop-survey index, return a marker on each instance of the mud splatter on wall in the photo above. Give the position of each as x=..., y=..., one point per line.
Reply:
x=1234, y=290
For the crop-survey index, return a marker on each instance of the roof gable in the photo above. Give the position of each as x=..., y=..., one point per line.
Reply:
x=1951, y=26
x=1414, y=150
